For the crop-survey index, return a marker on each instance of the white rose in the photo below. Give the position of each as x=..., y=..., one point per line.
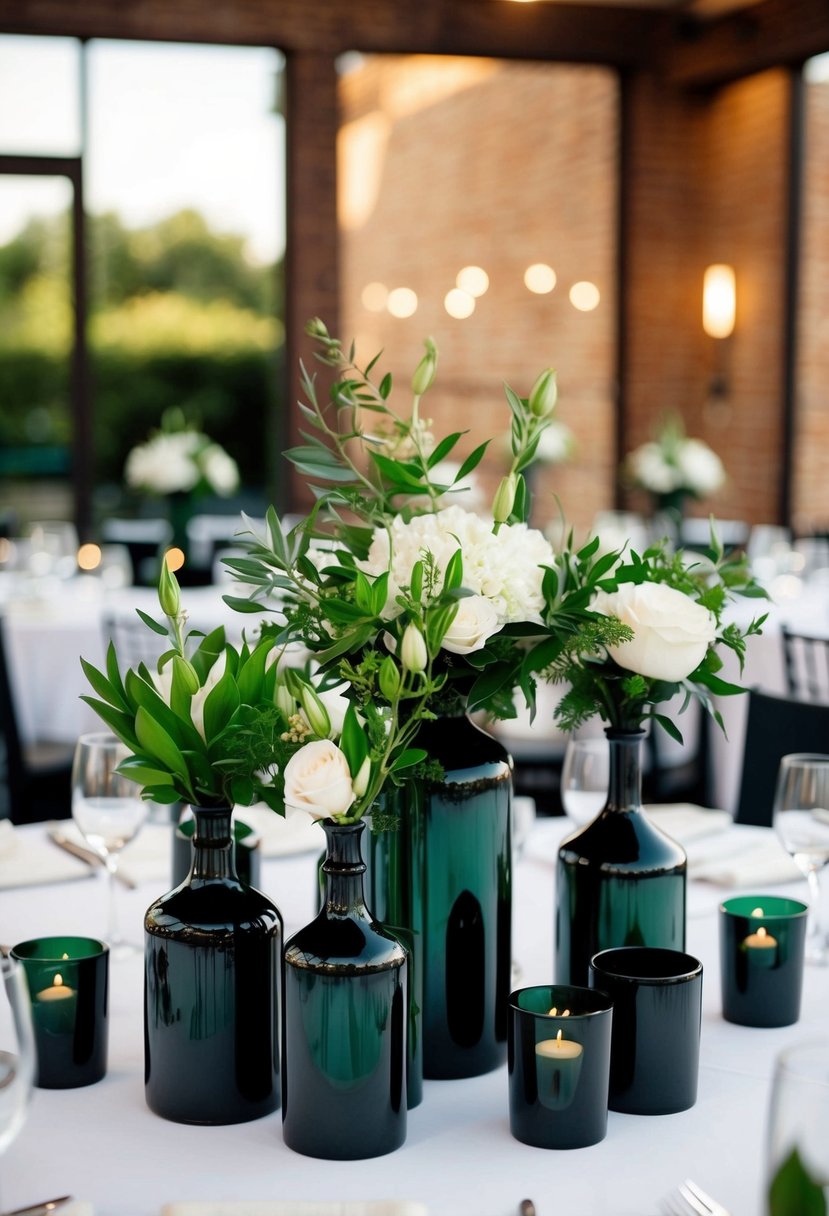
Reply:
x=671, y=631
x=318, y=780
x=702, y=470
x=474, y=625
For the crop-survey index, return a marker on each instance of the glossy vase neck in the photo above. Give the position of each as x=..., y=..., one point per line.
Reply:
x=624, y=791
x=213, y=844
x=343, y=868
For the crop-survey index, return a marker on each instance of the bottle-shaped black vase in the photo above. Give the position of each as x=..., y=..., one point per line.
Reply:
x=620, y=879
x=212, y=989
x=344, y=1033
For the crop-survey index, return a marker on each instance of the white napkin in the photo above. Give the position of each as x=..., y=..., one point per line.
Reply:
x=283, y=835
x=27, y=858
x=754, y=858
x=687, y=822
x=300, y=1207
x=146, y=859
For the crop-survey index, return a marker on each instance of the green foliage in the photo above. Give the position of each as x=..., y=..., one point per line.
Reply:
x=794, y=1192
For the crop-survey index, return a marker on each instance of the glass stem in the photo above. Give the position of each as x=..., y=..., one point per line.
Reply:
x=113, y=930
x=814, y=907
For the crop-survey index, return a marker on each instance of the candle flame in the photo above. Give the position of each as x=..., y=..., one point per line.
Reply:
x=552, y=1012
x=57, y=982
x=757, y=912
x=64, y=955
x=761, y=932
x=566, y=1013
x=558, y=1037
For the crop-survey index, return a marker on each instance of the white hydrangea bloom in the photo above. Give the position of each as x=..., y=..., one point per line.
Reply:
x=700, y=468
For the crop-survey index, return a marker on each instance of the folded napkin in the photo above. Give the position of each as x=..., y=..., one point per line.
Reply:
x=147, y=858
x=687, y=822
x=300, y=1207
x=27, y=858
x=754, y=858
x=283, y=835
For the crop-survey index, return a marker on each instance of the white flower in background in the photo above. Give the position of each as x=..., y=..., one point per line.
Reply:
x=701, y=469
x=506, y=568
x=651, y=470
x=671, y=631
x=219, y=470
x=177, y=461
x=556, y=443
x=318, y=780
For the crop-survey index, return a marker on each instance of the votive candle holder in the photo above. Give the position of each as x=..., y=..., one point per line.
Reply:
x=762, y=947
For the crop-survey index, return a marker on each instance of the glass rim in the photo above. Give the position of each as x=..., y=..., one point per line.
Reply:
x=584, y=994
x=95, y=948
x=686, y=966
x=105, y=737
x=817, y=758
x=803, y=1052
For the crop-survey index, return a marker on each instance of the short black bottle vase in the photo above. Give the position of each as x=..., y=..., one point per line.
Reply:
x=344, y=1033
x=212, y=1001
x=620, y=879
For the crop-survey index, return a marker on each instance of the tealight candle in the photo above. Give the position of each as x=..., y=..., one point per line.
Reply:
x=761, y=959
x=68, y=980
x=559, y=1066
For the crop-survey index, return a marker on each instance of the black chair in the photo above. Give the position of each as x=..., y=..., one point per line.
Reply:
x=679, y=775
x=776, y=727
x=807, y=665
x=37, y=777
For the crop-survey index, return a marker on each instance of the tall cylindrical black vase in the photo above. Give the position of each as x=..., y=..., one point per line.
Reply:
x=620, y=880
x=444, y=877
x=212, y=990
x=344, y=1035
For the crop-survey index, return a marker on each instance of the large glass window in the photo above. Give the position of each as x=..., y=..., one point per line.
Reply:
x=478, y=205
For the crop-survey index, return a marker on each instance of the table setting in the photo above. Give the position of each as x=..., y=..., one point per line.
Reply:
x=429, y=998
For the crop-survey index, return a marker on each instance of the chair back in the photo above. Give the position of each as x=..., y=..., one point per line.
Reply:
x=776, y=727
x=807, y=666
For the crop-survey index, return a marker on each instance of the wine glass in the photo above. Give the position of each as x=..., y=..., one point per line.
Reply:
x=584, y=778
x=797, y=1144
x=801, y=820
x=108, y=810
x=17, y=1051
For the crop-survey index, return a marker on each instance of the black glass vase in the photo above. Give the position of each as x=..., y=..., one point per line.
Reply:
x=212, y=990
x=442, y=882
x=344, y=1033
x=620, y=879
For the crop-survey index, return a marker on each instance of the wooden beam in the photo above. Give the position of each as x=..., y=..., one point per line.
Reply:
x=604, y=34
x=775, y=33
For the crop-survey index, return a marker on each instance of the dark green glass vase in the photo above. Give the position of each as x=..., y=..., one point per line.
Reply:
x=344, y=1033
x=211, y=990
x=620, y=879
x=442, y=882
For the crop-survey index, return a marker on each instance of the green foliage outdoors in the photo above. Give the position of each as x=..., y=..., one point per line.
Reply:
x=178, y=316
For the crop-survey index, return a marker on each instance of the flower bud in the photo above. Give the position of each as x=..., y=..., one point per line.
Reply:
x=285, y=702
x=169, y=596
x=504, y=499
x=413, y=653
x=424, y=374
x=360, y=782
x=389, y=679
x=316, y=329
x=544, y=394
x=186, y=672
x=316, y=713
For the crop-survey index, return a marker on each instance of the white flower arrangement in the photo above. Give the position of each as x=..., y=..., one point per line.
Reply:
x=674, y=465
x=177, y=459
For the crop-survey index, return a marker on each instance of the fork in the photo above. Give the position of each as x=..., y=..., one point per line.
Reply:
x=689, y=1200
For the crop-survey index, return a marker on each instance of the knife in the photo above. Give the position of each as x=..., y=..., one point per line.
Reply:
x=40, y=1209
x=84, y=854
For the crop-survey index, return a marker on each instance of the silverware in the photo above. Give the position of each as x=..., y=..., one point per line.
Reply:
x=690, y=1200
x=84, y=854
x=40, y=1209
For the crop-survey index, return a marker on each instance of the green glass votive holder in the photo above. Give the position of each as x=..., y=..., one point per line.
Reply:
x=558, y=1054
x=68, y=980
x=762, y=946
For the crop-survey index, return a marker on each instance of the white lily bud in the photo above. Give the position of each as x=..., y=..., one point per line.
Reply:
x=414, y=656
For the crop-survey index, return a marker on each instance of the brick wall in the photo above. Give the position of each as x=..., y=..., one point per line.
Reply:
x=501, y=166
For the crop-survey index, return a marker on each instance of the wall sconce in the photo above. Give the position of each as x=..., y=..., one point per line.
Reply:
x=718, y=312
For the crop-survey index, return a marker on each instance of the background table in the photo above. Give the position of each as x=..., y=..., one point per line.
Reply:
x=104, y=1145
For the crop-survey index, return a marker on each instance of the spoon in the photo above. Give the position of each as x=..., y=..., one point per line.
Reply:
x=40, y=1209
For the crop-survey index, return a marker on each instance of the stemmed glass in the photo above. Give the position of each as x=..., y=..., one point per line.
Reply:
x=801, y=820
x=584, y=778
x=109, y=812
x=798, y=1146
x=17, y=1051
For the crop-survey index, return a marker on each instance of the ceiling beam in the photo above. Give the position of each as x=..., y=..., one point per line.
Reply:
x=775, y=33
x=605, y=34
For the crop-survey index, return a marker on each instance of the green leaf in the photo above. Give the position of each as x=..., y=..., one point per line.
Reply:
x=379, y=594
x=794, y=1192
x=240, y=605
x=395, y=472
x=408, y=758
x=443, y=449
x=219, y=706
x=669, y=726
x=121, y=724
x=104, y=688
x=158, y=744
x=251, y=676
x=353, y=741
x=156, y=626
x=488, y=684
x=139, y=768
x=472, y=461
x=453, y=577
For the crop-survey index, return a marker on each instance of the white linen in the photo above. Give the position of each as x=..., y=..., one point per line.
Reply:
x=28, y=860
x=282, y=835
x=103, y=1143
x=298, y=1208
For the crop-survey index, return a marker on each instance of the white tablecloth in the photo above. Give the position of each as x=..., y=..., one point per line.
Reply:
x=104, y=1145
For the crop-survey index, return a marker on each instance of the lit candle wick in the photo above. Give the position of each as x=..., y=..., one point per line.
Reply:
x=757, y=912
